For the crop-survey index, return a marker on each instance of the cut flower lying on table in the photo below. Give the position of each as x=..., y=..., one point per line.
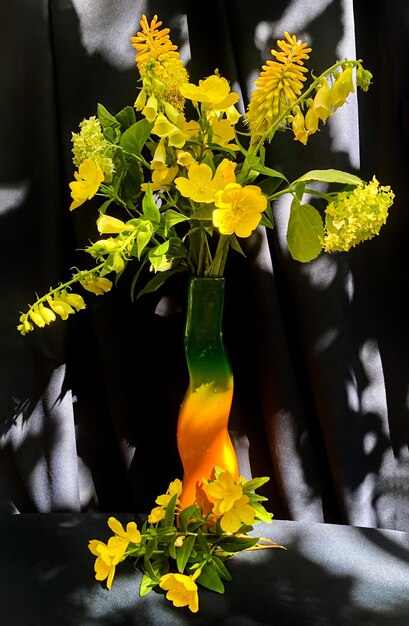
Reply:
x=194, y=542
x=182, y=184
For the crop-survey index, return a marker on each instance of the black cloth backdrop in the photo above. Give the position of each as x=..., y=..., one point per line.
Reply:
x=320, y=352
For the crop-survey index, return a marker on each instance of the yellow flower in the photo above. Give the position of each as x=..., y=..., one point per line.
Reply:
x=298, y=124
x=158, y=61
x=161, y=179
x=108, y=225
x=213, y=92
x=341, y=88
x=90, y=143
x=108, y=556
x=355, y=216
x=279, y=84
x=156, y=515
x=311, y=121
x=59, y=306
x=150, y=110
x=184, y=158
x=25, y=326
x=241, y=512
x=130, y=535
x=223, y=133
x=96, y=284
x=322, y=104
x=175, y=488
x=238, y=209
x=73, y=299
x=87, y=182
x=223, y=492
x=181, y=590
x=200, y=186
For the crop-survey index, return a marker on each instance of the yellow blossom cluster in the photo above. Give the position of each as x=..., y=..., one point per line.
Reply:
x=356, y=216
x=44, y=312
x=326, y=101
x=279, y=84
x=90, y=143
x=159, y=65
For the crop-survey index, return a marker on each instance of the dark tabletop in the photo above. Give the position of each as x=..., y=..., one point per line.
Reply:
x=329, y=575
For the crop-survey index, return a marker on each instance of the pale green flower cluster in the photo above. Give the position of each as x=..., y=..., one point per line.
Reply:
x=90, y=143
x=356, y=216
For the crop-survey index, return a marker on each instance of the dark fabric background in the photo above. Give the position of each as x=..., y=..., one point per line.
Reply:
x=88, y=407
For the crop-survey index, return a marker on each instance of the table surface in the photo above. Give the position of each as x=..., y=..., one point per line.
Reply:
x=329, y=575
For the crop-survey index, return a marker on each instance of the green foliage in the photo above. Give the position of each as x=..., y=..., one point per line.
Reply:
x=305, y=232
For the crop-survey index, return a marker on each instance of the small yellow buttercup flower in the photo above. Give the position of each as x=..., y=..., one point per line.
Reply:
x=156, y=515
x=108, y=556
x=223, y=492
x=200, y=185
x=161, y=179
x=87, y=182
x=238, y=209
x=175, y=488
x=241, y=512
x=181, y=590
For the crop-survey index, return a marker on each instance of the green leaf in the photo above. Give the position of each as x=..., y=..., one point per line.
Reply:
x=262, y=514
x=330, y=176
x=210, y=578
x=202, y=543
x=305, y=232
x=269, y=185
x=221, y=568
x=159, y=278
x=126, y=117
x=204, y=213
x=172, y=547
x=134, y=138
x=185, y=516
x=235, y=544
x=255, y=483
x=170, y=511
x=142, y=239
x=183, y=553
x=147, y=584
x=130, y=187
x=106, y=119
x=136, y=277
x=265, y=221
x=267, y=171
x=150, y=547
x=149, y=207
x=157, y=255
x=174, y=217
x=234, y=244
x=104, y=206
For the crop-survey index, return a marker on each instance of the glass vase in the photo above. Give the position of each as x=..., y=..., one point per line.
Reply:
x=202, y=432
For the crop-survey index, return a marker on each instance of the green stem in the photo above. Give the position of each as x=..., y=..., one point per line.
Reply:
x=217, y=266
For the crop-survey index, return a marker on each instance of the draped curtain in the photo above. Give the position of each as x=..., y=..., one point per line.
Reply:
x=88, y=407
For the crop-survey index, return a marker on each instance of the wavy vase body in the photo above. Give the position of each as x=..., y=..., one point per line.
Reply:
x=202, y=432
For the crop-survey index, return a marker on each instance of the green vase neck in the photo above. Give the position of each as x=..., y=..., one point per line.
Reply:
x=205, y=354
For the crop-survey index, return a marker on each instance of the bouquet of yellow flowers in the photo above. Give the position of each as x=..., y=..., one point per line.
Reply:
x=180, y=192
x=182, y=180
